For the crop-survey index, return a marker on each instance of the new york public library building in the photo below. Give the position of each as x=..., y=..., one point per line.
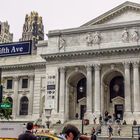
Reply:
x=89, y=69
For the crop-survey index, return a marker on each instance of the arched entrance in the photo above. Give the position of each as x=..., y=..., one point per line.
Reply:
x=114, y=93
x=77, y=95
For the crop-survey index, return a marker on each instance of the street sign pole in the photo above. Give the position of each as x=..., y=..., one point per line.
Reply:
x=0, y=86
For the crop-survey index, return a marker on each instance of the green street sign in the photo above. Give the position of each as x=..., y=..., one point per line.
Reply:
x=5, y=105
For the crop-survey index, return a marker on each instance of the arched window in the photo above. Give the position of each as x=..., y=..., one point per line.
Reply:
x=117, y=87
x=24, y=106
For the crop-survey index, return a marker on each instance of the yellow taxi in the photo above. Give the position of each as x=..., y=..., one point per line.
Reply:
x=43, y=136
x=8, y=138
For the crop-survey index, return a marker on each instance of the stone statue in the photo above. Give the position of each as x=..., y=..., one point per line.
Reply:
x=96, y=38
x=135, y=36
x=89, y=39
x=25, y=26
x=125, y=36
x=62, y=43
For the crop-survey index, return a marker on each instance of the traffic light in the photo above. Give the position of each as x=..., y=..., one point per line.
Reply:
x=1, y=93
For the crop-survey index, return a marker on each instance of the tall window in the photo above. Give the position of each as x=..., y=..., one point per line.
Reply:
x=25, y=83
x=9, y=84
x=24, y=106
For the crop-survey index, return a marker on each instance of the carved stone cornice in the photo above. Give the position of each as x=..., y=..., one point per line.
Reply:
x=24, y=66
x=94, y=28
x=91, y=53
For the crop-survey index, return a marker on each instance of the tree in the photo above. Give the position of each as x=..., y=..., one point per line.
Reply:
x=6, y=113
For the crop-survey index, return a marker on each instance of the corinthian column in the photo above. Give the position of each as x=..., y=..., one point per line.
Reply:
x=62, y=90
x=89, y=89
x=97, y=99
x=136, y=88
x=127, y=89
x=31, y=94
x=15, y=100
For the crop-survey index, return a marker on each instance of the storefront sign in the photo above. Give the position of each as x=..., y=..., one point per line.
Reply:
x=14, y=49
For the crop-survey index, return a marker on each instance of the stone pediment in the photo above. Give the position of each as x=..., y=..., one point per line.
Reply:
x=128, y=11
x=82, y=100
x=118, y=100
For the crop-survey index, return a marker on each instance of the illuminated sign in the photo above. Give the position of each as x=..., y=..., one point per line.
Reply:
x=16, y=48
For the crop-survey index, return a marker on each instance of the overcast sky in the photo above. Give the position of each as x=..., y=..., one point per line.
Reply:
x=56, y=14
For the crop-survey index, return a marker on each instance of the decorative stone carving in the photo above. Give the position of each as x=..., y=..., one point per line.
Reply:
x=125, y=36
x=97, y=67
x=76, y=69
x=62, y=43
x=126, y=65
x=89, y=39
x=135, y=36
x=96, y=38
x=135, y=64
x=89, y=67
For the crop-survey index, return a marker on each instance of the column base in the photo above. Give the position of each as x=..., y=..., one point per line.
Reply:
x=136, y=116
x=128, y=117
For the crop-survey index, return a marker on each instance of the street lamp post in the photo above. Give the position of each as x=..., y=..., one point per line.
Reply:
x=82, y=131
x=48, y=115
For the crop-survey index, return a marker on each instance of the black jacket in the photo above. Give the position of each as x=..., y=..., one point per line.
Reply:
x=27, y=136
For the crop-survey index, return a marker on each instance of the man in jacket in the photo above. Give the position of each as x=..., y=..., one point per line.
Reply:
x=28, y=133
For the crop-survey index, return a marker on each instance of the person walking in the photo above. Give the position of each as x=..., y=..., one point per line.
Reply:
x=119, y=130
x=28, y=135
x=110, y=130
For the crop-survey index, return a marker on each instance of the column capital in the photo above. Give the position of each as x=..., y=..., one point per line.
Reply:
x=62, y=69
x=97, y=66
x=88, y=67
x=126, y=65
x=135, y=64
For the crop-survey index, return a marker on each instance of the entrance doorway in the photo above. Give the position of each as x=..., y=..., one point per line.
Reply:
x=77, y=95
x=119, y=111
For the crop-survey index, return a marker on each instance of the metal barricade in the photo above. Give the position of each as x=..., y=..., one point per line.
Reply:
x=136, y=131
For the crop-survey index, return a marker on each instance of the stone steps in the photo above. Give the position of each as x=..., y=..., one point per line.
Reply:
x=126, y=130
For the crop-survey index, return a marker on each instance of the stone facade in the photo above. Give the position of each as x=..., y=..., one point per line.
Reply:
x=24, y=76
x=105, y=51
x=5, y=35
x=90, y=69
